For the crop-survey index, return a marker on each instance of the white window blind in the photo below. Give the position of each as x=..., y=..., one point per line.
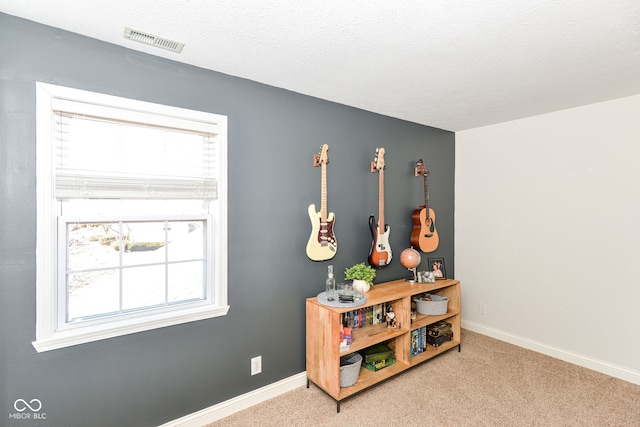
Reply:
x=132, y=156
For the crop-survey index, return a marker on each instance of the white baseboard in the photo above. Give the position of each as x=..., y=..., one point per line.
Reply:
x=231, y=406
x=597, y=365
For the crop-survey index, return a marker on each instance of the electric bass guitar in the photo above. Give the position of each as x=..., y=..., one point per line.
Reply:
x=424, y=235
x=380, y=253
x=322, y=244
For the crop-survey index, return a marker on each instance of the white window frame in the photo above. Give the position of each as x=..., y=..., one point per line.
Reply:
x=50, y=334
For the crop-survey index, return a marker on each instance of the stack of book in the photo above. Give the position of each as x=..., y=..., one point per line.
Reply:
x=439, y=333
x=418, y=341
x=345, y=338
x=361, y=317
x=433, y=335
x=378, y=357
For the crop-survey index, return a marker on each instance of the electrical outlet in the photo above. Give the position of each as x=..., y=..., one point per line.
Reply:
x=482, y=308
x=256, y=365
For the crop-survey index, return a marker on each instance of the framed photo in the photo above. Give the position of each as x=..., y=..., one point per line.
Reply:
x=437, y=266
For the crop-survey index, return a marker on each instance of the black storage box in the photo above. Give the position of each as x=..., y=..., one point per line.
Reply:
x=440, y=328
x=436, y=341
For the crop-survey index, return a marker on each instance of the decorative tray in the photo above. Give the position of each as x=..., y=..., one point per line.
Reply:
x=358, y=300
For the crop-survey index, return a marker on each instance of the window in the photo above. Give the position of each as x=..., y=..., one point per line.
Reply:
x=131, y=216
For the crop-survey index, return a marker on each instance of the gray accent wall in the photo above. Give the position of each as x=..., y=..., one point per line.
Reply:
x=153, y=377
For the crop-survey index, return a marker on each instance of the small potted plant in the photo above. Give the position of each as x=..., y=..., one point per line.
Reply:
x=362, y=276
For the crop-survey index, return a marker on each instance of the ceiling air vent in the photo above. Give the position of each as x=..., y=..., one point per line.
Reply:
x=152, y=40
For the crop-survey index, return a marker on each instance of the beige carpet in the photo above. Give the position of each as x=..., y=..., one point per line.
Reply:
x=489, y=383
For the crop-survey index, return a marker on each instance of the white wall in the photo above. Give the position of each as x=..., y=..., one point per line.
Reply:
x=547, y=227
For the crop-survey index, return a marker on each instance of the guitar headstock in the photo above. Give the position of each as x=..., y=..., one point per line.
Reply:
x=420, y=169
x=378, y=161
x=322, y=158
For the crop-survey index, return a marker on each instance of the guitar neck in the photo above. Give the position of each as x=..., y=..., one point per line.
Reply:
x=426, y=192
x=323, y=194
x=381, y=201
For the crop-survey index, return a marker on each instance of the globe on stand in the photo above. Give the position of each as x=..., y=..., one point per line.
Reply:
x=410, y=259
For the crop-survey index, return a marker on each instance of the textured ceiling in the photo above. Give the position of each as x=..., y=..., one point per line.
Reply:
x=450, y=64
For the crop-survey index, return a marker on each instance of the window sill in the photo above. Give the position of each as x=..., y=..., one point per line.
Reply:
x=71, y=337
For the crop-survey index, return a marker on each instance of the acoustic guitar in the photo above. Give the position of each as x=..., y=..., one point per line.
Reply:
x=380, y=254
x=322, y=244
x=424, y=235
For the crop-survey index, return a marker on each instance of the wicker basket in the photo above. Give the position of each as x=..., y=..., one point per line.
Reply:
x=350, y=369
x=435, y=307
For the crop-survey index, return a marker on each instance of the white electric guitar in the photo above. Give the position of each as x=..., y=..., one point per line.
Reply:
x=322, y=244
